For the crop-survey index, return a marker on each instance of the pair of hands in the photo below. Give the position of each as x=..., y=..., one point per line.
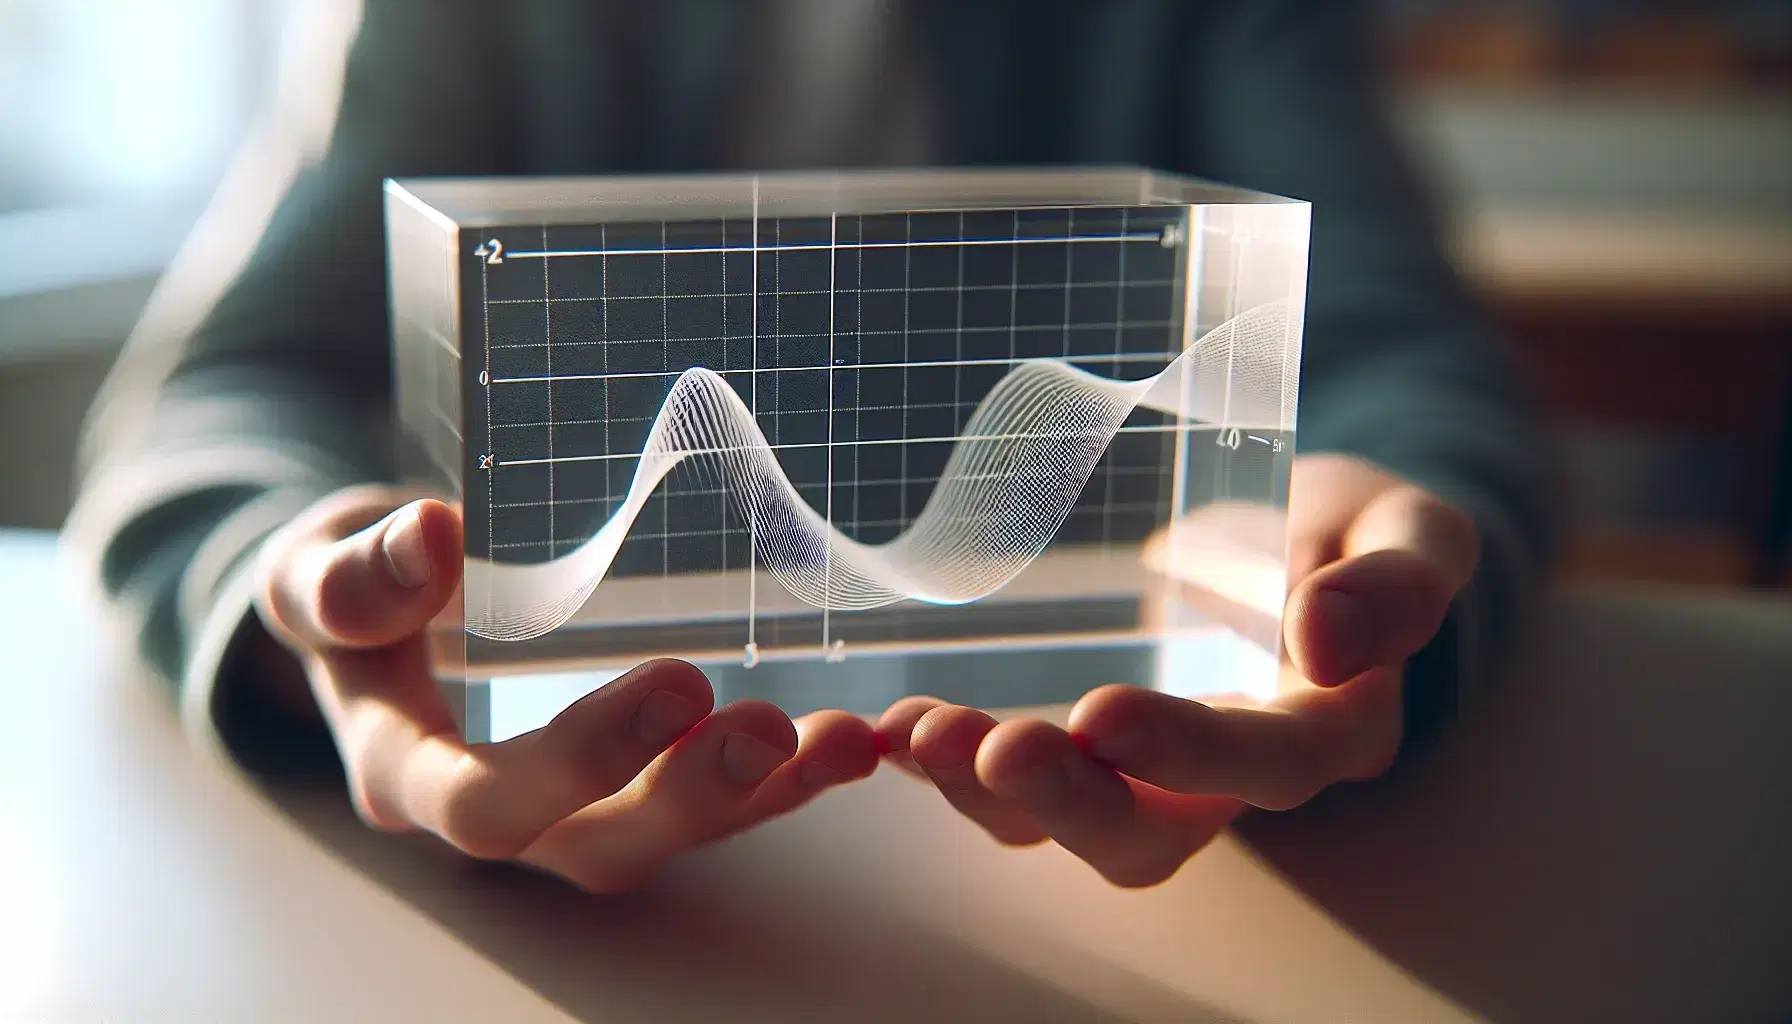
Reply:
x=647, y=767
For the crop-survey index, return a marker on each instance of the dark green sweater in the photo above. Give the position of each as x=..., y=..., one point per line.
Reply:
x=213, y=435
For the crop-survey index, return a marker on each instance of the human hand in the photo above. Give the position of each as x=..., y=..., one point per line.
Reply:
x=1141, y=780
x=616, y=784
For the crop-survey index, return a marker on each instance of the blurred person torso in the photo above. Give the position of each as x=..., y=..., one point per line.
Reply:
x=569, y=87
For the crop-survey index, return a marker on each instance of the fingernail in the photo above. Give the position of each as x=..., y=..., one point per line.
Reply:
x=663, y=717
x=816, y=775
x=1346, y=629
x=747, y=759
x=1040, y=784
x=407, y=559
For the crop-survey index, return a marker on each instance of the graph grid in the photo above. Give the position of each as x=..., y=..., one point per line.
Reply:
x=862, y=344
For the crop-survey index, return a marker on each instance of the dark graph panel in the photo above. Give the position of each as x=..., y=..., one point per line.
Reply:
x=863, y=345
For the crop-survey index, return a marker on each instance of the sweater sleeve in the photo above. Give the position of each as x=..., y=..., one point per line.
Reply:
x=1399, y=367
x=220, y=424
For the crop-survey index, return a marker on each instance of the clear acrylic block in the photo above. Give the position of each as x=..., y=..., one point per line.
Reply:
x=1000, y=436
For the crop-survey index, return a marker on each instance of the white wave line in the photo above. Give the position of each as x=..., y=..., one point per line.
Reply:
x=1025, y=455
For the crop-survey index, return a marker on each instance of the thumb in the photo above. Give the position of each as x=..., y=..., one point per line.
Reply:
x=1405, y=557
x=371, y=588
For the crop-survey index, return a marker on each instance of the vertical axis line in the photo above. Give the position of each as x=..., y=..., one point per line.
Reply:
x=1069, y=274
x=603, y=304
x=908, y=231
x=547, y=326
x=665, y=365
x=777, y=332
x=1224, y=483
x=958, y=333
x=827, y=556
x=858, y=376
x=491, y=474
x=1191, y=308
x=723, y=530
x=1014, y=289
x=752, y=511
x=1107, y=501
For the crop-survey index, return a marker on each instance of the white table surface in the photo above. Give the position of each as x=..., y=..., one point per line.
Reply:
x=1605, y=840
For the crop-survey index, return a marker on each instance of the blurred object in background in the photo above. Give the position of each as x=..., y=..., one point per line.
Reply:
x=1647, y=43
x=117, y=118
x=1485, y=44
x=1668, y=48
x=109, y=101
x=1614, y=181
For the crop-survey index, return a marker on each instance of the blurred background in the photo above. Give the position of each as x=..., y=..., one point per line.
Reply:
x=1616, y=177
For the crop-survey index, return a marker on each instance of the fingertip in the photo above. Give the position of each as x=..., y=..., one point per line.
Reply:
x=662, y=700
x=763, y=721
x=405, y=550
x=895, y=727
x=843, y=744
x=1021, y=733
x=1121, y=726
x=681, y=677
x=1328, y=635
x=835, y=748
x=747, y=758
x=420, y=544
x=1015, y=751
x=1374, y=609
x=442, y=530
x=948, y=737
x=1411, y=521
x=1100, y=708
x=382, y=583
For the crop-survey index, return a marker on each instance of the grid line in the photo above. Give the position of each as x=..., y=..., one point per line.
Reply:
x=892, y=332
x=924, y=323
x=910, y=243
x=805, y=445
x=547, y=329
x=921, y=290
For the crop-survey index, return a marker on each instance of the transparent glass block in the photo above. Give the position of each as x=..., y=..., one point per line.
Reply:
x=1000, y=436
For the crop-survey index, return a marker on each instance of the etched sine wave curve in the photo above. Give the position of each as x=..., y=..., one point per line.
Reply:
x=1013, y=475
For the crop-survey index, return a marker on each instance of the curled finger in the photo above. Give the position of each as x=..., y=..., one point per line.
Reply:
x=1276, y=757
x=371, y=587
x=944, y=746
x=833, y=748
x=1133, y=834
x=693, y=793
